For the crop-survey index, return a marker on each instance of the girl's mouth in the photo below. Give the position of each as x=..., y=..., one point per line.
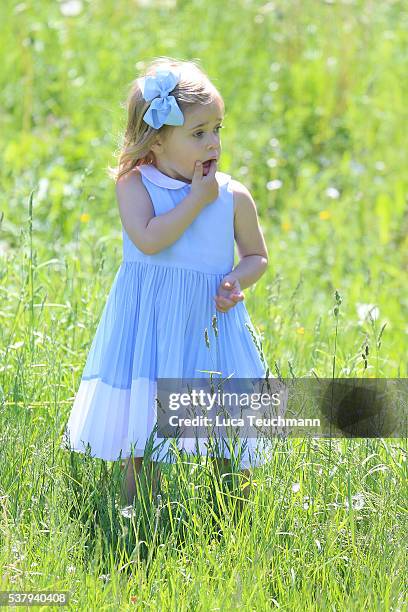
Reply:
x=206, y=167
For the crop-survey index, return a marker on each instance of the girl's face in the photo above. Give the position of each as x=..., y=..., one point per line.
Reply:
x=184, y=145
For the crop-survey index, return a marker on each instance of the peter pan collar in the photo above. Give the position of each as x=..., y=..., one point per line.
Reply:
x=154, y=175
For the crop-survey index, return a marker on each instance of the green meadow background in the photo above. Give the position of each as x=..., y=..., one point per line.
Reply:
x=315, y=127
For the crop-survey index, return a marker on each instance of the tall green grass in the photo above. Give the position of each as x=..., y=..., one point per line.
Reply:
x=315, y=100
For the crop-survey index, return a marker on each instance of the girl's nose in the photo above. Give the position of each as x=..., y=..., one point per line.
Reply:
x=214, y=142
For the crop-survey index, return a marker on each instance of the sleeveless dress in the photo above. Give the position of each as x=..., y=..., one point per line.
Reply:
x=157, y=314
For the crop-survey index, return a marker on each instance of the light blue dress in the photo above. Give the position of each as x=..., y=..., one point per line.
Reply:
x=153, y=326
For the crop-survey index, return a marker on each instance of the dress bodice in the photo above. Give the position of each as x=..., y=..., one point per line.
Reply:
x=207, y=245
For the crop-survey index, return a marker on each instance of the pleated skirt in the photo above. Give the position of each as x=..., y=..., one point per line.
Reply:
x=158, y=322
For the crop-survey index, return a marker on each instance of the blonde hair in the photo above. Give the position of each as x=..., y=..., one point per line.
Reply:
x=193, y=88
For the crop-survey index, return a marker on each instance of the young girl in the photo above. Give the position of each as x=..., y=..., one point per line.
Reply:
x=180, y=217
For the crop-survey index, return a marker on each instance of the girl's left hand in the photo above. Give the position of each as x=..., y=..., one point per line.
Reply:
x=228, y=295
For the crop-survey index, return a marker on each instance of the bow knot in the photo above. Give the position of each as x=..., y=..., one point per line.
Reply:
x=163, y=108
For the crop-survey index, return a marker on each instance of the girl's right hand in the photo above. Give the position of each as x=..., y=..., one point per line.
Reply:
x=205, y=188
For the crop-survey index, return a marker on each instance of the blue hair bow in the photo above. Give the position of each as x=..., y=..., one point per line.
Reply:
x=164, y=108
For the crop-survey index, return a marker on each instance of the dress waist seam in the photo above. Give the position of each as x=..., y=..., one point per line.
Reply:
x=170, y=267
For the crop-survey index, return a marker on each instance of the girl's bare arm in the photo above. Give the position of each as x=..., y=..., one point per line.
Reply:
x=250, y=241
x=149, y=233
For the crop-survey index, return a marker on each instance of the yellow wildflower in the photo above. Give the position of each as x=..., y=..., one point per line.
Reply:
x=324, y=215
x=300, y=330
x=286, y=226
x=85, y=217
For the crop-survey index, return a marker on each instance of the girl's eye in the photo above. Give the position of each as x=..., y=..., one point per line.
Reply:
x=201, y=132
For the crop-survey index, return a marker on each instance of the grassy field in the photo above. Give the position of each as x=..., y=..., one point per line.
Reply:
x=315, y=96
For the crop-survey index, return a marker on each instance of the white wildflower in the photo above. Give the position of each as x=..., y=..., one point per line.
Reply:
x=104, y=577
x=296, y=487
x=357, y=502
x=17, y=345
x=273, y=185
x=370, y=311
x=72, y=8
x=43, y=185
x=332, y=192
x=128, y=512
x=157, y=3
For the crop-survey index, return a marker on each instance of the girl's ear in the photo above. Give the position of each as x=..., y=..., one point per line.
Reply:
x=157, y=146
